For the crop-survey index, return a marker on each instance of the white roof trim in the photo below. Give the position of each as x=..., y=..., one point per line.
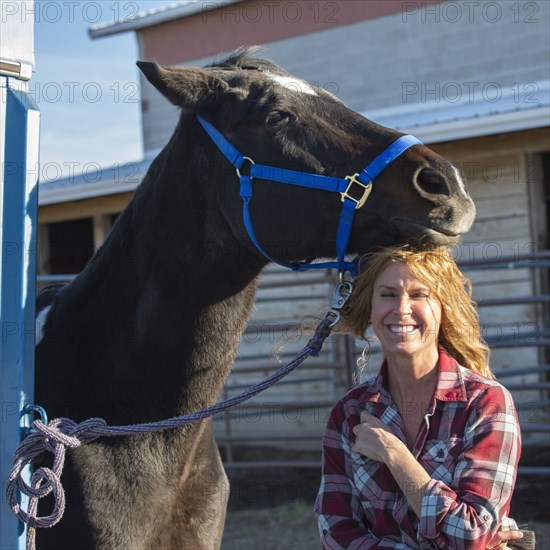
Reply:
x=438, y=121
x=80, y=192
x=110, y=182
x=483, y=126
x=156, y=16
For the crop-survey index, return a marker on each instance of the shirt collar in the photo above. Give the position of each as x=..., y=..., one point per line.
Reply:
x=450, y=382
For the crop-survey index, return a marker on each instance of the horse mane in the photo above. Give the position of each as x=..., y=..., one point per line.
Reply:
x=246, y=59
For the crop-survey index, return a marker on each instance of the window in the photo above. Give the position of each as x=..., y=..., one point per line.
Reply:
x=70, y=246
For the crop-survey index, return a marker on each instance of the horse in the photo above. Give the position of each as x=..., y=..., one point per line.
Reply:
x=149, y=329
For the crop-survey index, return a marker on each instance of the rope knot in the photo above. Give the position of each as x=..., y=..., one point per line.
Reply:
x=57, y=432
x=55, y=437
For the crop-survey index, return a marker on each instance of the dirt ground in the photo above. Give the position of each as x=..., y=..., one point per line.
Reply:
x=293, y=527
x=272, y=510
x=283, y=527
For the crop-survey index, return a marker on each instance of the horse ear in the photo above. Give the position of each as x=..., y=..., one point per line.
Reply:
x=188, y=87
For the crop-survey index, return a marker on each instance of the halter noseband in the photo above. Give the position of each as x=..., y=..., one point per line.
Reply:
x=360, y=184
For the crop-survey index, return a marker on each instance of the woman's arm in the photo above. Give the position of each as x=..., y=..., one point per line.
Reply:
x=375, y=440
x=339, y=512
x=465, y=513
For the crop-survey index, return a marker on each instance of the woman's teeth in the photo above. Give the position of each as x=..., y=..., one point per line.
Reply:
x=402, y=329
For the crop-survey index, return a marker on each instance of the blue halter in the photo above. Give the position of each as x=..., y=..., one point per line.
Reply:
x=362, y=182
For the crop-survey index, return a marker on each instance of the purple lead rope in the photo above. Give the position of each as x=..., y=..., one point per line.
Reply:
x=62, y=433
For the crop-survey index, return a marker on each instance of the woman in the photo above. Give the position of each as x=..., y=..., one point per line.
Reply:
x=425, y=454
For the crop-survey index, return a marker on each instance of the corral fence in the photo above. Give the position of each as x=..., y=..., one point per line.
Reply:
x=528, y=382
x=292, y=415
x=283, y=426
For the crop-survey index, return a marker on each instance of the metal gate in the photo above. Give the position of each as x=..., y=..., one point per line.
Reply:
x=529, y=383
x=19, y=124
x=295, y=410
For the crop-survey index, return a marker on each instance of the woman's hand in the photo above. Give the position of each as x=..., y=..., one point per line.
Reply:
x=376, y=441
x=501, y=537
x=373, y=438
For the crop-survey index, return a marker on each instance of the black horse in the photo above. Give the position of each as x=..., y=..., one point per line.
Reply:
x=150, y=328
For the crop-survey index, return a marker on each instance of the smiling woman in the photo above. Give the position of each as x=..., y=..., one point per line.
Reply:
x=438, y=277
x=425, y=454
x=406, y=317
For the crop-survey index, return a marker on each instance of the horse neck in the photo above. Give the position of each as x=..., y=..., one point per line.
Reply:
x=181, y=224
x=176, y=276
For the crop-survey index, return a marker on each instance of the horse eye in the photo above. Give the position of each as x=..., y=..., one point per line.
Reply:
x=277, y=116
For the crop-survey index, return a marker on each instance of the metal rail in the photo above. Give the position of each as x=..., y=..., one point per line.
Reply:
x=532, y=259
x=342, y=369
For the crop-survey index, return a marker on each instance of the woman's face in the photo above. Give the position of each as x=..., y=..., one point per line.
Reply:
x=406, y=316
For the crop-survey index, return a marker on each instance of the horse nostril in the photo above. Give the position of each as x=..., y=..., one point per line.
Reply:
x=428, y=181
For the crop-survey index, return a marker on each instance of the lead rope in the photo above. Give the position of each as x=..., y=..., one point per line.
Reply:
x=62, y=433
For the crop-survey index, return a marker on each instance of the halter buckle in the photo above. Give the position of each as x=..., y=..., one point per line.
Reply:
x=367, y=188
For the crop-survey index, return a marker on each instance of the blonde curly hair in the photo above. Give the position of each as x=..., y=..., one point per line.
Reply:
x=459, y=332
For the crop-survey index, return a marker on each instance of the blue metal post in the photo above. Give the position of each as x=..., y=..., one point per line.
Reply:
x=19, y=127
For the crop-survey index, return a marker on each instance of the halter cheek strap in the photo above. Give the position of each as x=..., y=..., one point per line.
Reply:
x=354, y=191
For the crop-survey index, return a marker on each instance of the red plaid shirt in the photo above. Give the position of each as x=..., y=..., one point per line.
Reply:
x=469, y=444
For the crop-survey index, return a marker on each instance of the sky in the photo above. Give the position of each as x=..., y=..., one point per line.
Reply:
x=87, y=90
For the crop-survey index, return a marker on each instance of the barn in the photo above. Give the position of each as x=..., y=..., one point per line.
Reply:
x=470, y=79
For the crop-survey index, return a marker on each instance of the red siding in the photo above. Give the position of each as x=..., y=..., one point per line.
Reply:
x=256, y=22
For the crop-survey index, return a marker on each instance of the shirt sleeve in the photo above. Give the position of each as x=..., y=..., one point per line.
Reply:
x=337, y=507
x=466, y=513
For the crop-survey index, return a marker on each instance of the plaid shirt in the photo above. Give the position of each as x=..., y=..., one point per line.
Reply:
x=469, y=444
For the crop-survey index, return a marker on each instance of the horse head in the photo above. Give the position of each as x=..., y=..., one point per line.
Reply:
x=279, y=120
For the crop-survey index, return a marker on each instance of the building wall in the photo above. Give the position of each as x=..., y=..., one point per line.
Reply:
x=422, y=52
x=504, y=185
